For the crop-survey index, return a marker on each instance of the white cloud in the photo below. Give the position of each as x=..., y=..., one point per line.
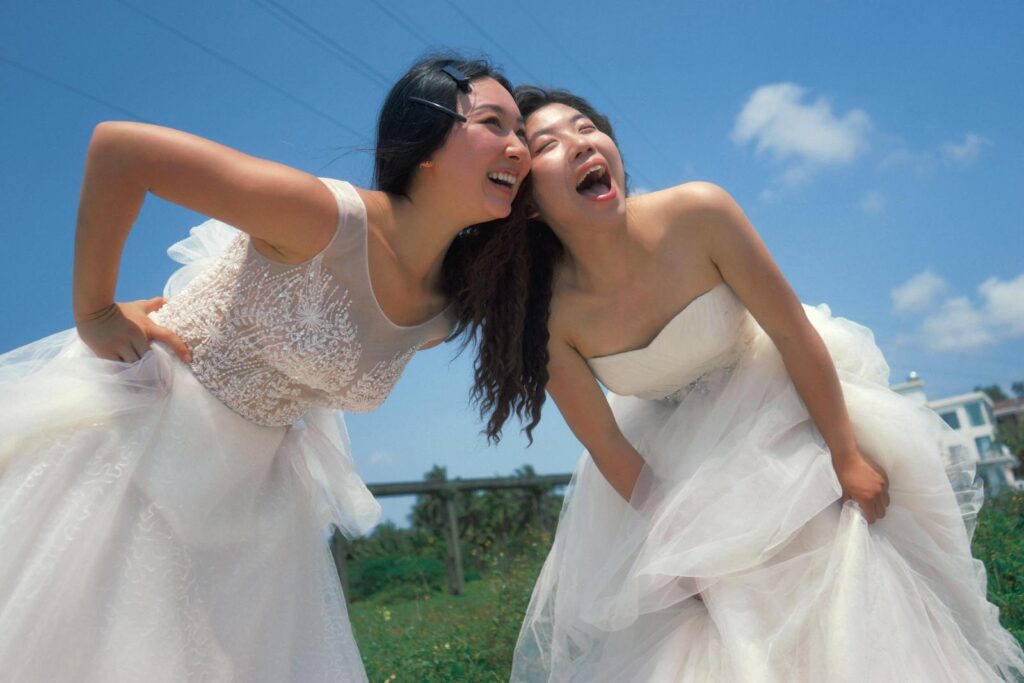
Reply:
x=872, y=203
x=964, y=325
x=918, y=293
x=967, y=151
x=1004, y=303
x=958, y=326
x=780, y=123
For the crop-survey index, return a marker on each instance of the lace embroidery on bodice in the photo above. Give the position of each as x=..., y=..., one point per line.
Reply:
x=272, y=340
x=698, y=347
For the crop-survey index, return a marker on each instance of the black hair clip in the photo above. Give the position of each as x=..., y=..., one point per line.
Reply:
x=440, y=107
x=461, y=82
x=461, y=79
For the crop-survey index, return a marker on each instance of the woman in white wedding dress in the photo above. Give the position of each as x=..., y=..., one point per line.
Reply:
x=161, y=505
x=754, y=504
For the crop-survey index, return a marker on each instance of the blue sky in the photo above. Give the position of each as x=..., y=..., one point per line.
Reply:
x=878, y=147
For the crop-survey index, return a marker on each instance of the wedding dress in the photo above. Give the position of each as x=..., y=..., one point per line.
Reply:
x=735, y=559
x=162, y=521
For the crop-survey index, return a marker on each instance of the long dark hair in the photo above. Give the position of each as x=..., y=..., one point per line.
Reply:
x=500, y=285
x=484, y=270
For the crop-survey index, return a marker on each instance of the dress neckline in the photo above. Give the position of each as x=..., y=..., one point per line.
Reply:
x=364, y=218
x=690, y=304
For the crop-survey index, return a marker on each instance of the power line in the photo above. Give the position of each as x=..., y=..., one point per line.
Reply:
x=398, y=20
x=342, y=54
x=76, y=90
x=238, y=67
x=551, y=40
x=489, y=39
x=537, y=81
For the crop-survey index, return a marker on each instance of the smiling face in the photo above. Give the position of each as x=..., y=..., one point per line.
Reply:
x=577, y=169
x=483, y=162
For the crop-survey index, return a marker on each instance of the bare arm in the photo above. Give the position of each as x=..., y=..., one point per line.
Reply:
x=290, y=215
x=746, y=265
x=579, y=398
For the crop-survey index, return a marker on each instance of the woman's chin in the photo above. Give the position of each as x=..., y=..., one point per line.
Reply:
x=498, y=209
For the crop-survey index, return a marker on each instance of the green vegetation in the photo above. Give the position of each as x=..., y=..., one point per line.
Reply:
x=436, y=637
x=999, y=543
x=410, y=629
x=495, y=529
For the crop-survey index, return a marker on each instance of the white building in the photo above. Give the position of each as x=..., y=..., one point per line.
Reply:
x=971, y=416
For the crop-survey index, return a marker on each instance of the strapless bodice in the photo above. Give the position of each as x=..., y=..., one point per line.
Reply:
x=707, y=335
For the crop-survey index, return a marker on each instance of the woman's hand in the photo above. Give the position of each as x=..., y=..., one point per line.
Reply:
x=864, y=482
x=123, y=332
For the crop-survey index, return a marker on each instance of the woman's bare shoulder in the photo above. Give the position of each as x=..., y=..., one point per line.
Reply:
x=690, y=198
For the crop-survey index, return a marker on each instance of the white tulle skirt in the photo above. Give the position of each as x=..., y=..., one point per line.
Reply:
x=736, y=561
x=149, y=533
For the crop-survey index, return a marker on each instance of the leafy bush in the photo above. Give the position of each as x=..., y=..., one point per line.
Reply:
x=999, y=543
x=439, y=637
x=415, y=574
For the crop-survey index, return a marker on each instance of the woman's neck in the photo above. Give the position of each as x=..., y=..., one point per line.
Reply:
x=423, y=230
x=603, y=258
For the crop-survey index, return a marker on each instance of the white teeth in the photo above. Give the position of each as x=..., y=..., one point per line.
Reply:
x=593, y=169
x=506, y=178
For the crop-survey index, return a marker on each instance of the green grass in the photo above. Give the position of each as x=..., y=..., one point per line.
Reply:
x=438, y=637
x=412, y=634
x=999, y=543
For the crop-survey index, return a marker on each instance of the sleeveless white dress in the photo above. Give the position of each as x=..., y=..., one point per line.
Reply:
x=162, y=522
x=735, y=559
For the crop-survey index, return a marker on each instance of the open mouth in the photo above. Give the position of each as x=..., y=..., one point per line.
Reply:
x=506, y=180
x=595, y=182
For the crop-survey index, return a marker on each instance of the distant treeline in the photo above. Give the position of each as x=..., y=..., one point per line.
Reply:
x=495, y=528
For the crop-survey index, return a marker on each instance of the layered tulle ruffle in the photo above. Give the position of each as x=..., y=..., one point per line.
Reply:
x=150, y=533
x=735, y=560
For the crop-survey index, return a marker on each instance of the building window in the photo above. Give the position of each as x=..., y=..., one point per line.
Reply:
x=974, y=413
x=984, y=443
x=951, y=419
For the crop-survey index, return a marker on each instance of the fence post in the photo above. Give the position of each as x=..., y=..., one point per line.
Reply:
x=456, y=579
x=339, y=550
x=538, y=508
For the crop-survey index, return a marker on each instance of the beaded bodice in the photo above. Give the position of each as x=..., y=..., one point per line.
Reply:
x=272, y=340
x=699, y=345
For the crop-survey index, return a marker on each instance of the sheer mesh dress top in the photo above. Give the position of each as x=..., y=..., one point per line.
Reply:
x=272, y=340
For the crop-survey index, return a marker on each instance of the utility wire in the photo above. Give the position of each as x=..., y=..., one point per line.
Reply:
x=537, y=81
x=78, y=91
x=238, y=67
x=341, y=53
x=491, y=40
x=551, y=40
x=401, y=22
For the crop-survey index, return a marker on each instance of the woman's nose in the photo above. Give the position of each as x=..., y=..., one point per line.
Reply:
x=517, y=149
x=580, y=146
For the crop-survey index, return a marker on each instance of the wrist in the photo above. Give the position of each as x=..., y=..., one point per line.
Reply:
x=91, y=313
x=844, y=454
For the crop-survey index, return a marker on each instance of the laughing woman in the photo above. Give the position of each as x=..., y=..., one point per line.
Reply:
x=160, y=506
x=754, y=504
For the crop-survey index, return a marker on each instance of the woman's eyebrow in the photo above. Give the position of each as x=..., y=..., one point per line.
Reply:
x=551, y=129
x=499, y=110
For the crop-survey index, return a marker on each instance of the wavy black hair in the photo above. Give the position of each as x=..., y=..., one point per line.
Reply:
x=483, y=269
x=502, y=297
